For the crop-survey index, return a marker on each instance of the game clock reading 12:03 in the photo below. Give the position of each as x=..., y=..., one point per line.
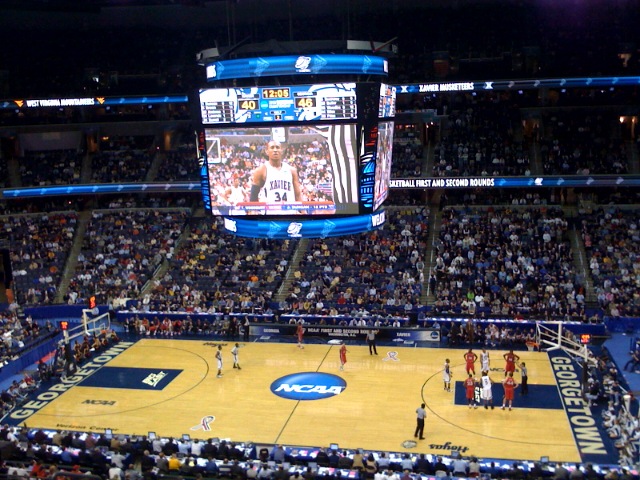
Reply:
x=276, y=93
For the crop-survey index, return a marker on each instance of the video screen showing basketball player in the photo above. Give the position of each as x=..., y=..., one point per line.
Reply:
x=383, y=163
x=276, y=180
x=283, y=171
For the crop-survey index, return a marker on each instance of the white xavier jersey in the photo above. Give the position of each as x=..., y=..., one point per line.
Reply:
x=278, y=186
x=446, y=373
x=484, y=360
x=236, y=196
x=486, y=388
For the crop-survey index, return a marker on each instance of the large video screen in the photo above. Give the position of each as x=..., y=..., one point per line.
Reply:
x=387, y=106
x=293, y=103
x=383, y=163
x=287, y=170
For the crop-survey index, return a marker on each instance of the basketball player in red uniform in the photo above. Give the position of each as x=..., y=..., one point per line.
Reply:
x=470, y=358
x=343, y=356
x=470, y=389
x=511, y=359
x=509, y=386
x=300, y=333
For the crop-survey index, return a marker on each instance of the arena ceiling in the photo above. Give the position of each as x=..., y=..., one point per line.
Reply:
x=53, y=13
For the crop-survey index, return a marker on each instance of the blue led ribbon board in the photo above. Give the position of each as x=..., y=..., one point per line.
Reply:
x=297, y=65
x=304, y=227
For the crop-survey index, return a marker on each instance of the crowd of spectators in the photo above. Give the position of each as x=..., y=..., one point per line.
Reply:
x=213, y=271
x=84, y=349
x=17, y=392
x=524, y=268
x=611, y=238
x=178, y=165
x=611, y=196
x=504, y=261
x=498, y=279
x=43, y=454
x=481, y=139
x=4, y=173
x=127, y=202
x=483, y=196
x=377, y=271
x=40, y=248
x=17, y=333
x=53, y=167
x=579, y=143
x=123, y=159
x=39, y=205
x=120, y=252
x=408, y=152
x=490, y=335
x=605, y=394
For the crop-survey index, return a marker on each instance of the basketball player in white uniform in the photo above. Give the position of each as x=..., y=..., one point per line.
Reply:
x=446, y=375
x=484, y=360
x=234, y=195
x=219, y=360
x=486, y=395
x=235, y=352
x=277, y=181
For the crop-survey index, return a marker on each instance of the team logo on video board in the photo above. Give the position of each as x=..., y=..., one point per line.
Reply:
x=302, y=63
x=230, y=225
x=294, y=229
x=308, y=386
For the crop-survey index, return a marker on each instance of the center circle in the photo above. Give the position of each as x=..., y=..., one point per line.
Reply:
x=308, y=386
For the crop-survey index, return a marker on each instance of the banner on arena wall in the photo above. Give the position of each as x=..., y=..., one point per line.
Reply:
x=348, y=333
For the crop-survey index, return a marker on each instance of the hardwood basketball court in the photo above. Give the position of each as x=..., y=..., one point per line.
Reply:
x=170, y=387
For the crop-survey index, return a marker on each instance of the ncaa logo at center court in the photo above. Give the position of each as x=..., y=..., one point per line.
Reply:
x=308, y=386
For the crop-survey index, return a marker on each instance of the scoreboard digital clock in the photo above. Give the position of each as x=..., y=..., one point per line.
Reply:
x=276, y=93
x=295, y=103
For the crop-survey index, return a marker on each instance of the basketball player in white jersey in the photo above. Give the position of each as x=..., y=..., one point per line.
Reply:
x=446, y=375
x=484, y=360
x=486, y=394
x=235, y=351
x=278, y=181
x=234, y=195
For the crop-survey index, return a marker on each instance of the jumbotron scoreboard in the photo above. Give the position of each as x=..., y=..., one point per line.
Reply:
x=330, y=174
